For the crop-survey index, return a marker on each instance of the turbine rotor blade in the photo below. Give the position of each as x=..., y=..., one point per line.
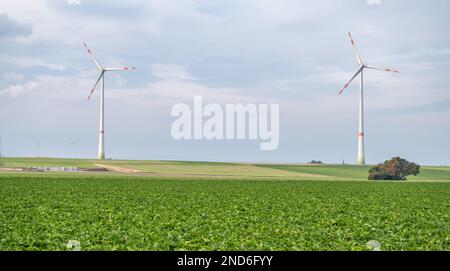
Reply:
x=93, y=57
x=348, y=83
x=95, y=85
x=358, y=57
x=120, y=69
x=383, y=69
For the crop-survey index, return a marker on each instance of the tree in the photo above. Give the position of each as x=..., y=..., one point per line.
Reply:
x=394, y=169
x=314, y=162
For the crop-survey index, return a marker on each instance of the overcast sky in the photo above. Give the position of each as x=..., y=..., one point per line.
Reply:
x=295, y=53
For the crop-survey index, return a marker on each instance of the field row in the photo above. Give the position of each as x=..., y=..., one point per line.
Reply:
x=131, y=213
x=233, y=170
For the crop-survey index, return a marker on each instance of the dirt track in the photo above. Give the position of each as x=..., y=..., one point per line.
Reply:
x=118, y=169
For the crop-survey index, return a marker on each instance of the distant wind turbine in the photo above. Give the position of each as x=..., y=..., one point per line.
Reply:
x=101, y=77
x=361, y=158
x=38, y=145
x=75, y=144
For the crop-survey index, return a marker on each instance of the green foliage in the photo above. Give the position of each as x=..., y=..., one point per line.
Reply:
x=394, y=169
x=51, y=212
x=314, y=162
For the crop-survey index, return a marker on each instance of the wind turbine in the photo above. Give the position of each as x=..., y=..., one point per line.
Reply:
x=75, y=144
x=38, y=145
x=101, y=78
x=361, y=158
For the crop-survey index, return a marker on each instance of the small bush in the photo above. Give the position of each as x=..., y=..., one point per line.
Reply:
x=314, y=162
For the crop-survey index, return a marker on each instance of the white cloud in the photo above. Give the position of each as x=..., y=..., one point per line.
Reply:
x=50, y=87
x=170, y=71
x=10, y=28
x=168, y=91
x=27, y=62
x=74, y=2
x=19, y=89
x=119, y=80
x=12, y=77
x=374, y=2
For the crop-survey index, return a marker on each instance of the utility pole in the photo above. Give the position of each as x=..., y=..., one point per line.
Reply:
x=0, y=146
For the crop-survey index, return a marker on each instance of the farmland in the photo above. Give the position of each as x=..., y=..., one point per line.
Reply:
x=297, y=207
x=221, y=170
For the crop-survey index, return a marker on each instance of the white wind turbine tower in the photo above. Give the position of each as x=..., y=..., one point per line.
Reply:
x=101, y=77
x=361, y=158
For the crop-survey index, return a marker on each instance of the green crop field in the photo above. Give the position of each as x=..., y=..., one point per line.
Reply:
x=298, y=207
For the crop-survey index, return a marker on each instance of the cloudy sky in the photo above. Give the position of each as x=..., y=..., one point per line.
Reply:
x=295, y=53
